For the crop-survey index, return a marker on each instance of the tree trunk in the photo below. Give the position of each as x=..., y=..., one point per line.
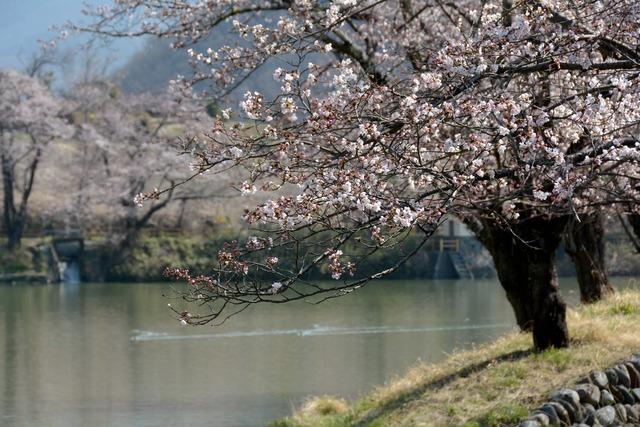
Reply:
x=511, y=265
x=15, y=217
x=585, y=244
x=133, y=226
x=634, y=220
x=14, y=237
x=549, y=310
x=524, y=257
x=9, y=208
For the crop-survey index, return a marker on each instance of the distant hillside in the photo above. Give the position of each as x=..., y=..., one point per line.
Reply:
x=150, y=69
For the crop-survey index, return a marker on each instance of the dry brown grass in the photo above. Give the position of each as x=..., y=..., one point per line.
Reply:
x=497, y=383
x=324, y=405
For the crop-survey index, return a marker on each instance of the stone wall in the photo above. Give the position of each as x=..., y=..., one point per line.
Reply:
x=609, y=398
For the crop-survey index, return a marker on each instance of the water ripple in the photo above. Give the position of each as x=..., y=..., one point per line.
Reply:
x=316, y=331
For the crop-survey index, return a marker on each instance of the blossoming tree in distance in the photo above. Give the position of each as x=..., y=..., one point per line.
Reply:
x=30, y=118
x=127, y=146
x=516, y=117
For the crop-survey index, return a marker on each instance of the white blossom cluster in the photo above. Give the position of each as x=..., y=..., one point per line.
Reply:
x=416, y=111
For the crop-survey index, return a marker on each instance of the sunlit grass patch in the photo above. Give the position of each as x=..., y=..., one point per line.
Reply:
x=323, y=411
x=325, y=405
x=502, y=414
x=497, y=383
x=558, y=359
x=625, y=308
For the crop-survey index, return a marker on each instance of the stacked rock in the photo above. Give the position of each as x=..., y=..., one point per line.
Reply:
x=603, y=399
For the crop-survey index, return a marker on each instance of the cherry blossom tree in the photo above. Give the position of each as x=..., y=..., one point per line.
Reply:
x=517, y=117
x=30, y=118
x=125, y=150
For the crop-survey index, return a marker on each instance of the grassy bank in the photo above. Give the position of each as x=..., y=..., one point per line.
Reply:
x=492, y=385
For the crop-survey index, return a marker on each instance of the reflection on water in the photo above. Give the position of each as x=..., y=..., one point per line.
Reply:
x=111, y=355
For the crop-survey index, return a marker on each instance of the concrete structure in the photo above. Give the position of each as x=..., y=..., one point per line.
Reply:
x=446, y=251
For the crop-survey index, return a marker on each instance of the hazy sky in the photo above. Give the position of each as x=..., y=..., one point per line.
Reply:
x=23, y=22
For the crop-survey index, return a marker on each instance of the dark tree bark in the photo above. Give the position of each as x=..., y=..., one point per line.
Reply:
x=134, y=223
x=634, y=220
x=9, y=209
x=585, y=244
x=511, y=265
x=14, y=214
x=632, y=229
x=117, y=252
x=524, y=257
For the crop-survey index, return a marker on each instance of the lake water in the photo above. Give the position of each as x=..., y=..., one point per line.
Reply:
x=112, y=355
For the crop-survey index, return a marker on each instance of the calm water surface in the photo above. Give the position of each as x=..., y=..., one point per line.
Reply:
x=111, y=354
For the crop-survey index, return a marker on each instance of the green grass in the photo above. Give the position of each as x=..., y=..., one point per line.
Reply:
x=558, y=359
x=491, y=385
x=509, y=413
x=21, y=260
x=624, y=308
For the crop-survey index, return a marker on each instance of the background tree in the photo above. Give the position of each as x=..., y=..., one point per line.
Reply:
x=129, y=138
x=30, y=118
x=585, y=243
x=514, y=117
x=634, y=219
x=126, y=145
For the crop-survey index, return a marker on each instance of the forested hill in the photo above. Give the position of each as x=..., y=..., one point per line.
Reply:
x=150, y=69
